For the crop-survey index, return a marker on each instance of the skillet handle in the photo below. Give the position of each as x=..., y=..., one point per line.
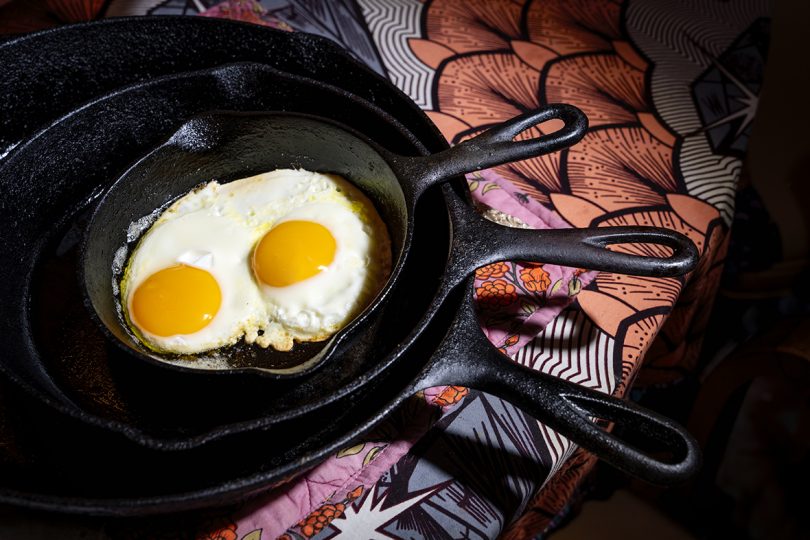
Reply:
x=467, y=358
x=478, y=242
x=493, y=147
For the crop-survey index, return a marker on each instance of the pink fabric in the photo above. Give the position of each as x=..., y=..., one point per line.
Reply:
x=510, y=327
x=246, y=11
x=342, y=477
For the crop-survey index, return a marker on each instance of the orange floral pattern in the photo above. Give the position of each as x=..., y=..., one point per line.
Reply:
x=496, y=293
x=220, y=532
x=497, y=61
x=355, y=493
x=494, y=270
x=622, y=173
x=450, y=395
x=320, y=518
x=534, y=278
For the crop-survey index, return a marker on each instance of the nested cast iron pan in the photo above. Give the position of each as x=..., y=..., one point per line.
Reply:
x=47, y=74
x=412, y=111
x=226, y=147
x=283, y=140
x=159, y=493
x=64, y=361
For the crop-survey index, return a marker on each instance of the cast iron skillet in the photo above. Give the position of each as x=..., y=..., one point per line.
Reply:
x=393, y=183
x=90, y=147
x=105, y=64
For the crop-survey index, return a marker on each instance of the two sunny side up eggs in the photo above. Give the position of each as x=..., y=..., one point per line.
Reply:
x=284, y=256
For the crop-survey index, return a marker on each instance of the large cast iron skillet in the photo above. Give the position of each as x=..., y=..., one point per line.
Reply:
x=210, y=147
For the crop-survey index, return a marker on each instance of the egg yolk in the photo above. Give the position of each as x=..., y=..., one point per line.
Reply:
x=176, y=300
x=293, y=251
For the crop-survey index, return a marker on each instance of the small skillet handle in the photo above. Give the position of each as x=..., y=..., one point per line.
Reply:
x=495, y=146
x=466, y=358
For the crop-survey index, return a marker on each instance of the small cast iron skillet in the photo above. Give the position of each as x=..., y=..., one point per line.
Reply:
x=393, y=183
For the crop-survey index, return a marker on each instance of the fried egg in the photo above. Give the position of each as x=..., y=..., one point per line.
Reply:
x=284, y=256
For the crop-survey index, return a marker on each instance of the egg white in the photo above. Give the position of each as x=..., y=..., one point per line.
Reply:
x=216, y=228
x=212, y=243
x=315, y=308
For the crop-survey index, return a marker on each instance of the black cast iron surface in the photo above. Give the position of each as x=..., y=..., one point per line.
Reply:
x=105, y=55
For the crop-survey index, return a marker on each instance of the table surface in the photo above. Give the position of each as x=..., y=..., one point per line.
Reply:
x=670, y=89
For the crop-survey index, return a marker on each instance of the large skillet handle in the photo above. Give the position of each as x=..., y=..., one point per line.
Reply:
x=495, y=146
x=466, y=358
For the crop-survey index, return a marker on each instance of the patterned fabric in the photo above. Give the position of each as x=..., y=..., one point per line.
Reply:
x=18, y=16
x=670, y=88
